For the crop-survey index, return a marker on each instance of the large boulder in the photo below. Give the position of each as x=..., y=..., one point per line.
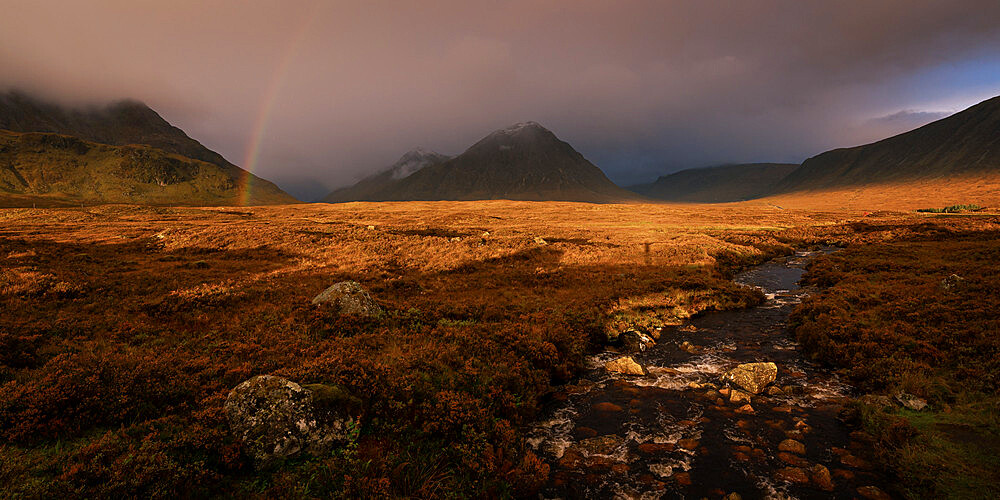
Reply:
x=752, y=377
x=626, y=366
x=349, y=297
x=276, y=418
x=634, y=341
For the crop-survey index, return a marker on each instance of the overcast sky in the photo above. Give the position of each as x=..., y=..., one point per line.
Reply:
x=314, y=95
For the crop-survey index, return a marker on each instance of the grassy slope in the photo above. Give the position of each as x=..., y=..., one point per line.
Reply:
x=889, y=319
x=50, y=169
x=980, y=189
x=964, y=145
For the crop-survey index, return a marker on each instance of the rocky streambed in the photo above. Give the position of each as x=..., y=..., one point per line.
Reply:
x=722, y=406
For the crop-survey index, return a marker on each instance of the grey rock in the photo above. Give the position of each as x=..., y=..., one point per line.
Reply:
x=877, y=401
x=633, y=341
x=910, y=401
x=349, y=297
x=952, y=281
x=276, y=418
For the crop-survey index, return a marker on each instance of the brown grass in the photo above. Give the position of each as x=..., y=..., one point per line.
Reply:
x=124, y=328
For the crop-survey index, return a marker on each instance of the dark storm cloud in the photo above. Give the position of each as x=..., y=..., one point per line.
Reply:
x=639, y=87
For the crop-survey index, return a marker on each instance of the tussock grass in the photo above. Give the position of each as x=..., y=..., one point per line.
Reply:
x=913, y=309
x=172, y=307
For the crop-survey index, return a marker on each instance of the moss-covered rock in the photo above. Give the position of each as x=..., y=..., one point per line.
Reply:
x=276, y=418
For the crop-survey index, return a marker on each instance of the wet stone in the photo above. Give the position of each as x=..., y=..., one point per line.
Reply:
x=634, y=391
x=683, y=478
x=688, y=444
x=873, y=493
x=794, y=434
x=792, y=475
x=846, y=475
x=737, y=396
x=752, y=377
x=793, y=460
x=601, y=445
x=633, y=341
x=792, y=446
x=625, y=366
x=608, y=407
x=656, y=448
x=571, y=459
x=820, y=476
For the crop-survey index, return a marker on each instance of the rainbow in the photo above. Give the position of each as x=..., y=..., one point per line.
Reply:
x=251, y=156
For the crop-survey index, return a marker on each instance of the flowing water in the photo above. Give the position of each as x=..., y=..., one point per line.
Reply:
x=675, y=433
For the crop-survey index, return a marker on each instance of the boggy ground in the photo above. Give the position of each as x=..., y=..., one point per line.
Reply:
x=124, y=328
x=914, y=309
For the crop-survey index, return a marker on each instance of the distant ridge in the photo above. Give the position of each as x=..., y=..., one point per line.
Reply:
x=369, y=188
x=718, y=184
x=121, y=124
x=521, y=162
x=966, y=144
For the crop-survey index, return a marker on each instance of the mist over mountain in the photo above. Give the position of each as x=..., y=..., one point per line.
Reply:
x=521, y=162
x=123, y=153
x=718, y=184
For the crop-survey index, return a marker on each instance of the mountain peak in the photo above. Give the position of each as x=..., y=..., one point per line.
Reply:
x=519, y=129
x=524, y=161
x=414, y=160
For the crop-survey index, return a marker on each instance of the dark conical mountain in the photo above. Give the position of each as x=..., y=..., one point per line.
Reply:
x=521, y=162
x=126, y=130
x=719, y=184
x=962, y=145
x=369, y=188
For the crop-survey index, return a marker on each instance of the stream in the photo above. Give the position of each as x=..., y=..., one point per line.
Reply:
x=676, y=434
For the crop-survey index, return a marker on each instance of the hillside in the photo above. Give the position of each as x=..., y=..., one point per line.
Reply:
x=521, y=162
x=964, y=145
x=719, y=184
x=51, y=169
x=368, y=189
x=119, y=124
x=124, y=123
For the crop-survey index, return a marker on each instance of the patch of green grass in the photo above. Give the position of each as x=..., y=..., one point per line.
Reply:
x=951, y=209
x=949, y=453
